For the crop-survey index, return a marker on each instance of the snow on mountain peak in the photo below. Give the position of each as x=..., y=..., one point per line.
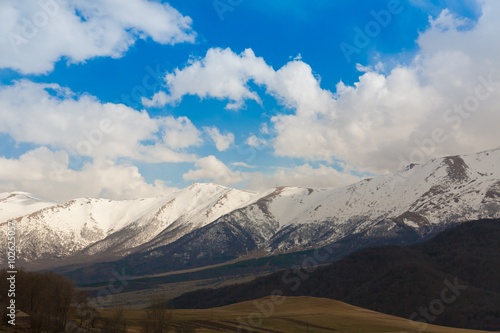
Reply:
x=441, y=191
x=98, y=225
x=16, y=204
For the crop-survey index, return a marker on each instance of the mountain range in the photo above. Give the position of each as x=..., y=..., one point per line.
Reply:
x=205, y=224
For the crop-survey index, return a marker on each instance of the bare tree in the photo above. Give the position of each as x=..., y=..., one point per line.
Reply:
x=62, y=293
x=46, y=297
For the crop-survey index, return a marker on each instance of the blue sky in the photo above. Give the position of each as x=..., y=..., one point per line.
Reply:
x=102, y=99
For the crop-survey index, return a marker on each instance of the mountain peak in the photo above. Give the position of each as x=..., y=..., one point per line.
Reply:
x=17, y=203
x=412, y=203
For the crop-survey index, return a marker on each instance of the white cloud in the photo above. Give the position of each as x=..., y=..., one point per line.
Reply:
x=255, y=141
x=446, y=21
x=389, y=116
x=364, y=125
x=384, y=118
x=242, y=165
x=221, y=74
x=47, y=114
x=210, y=168
x=300, y=176
x=46, y=173
x=180, y=133
x=222, y=141
x=37, y=34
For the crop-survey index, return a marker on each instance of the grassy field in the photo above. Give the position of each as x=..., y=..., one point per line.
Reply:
x=293, y=315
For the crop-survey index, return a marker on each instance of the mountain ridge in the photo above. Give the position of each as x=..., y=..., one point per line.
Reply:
x=406, y=206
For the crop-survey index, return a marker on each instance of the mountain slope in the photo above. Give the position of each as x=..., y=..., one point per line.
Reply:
x=440, y=192
x=208, y=223
x=402, y=208
x=99, y=227
x=396, y=280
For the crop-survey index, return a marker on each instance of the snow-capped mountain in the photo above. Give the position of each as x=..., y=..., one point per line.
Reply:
x=207, y=223
x=88, y=226
x=16, y=204
x=399, y=208
x=442, y=191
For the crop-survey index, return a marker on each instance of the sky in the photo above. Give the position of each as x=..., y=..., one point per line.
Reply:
x=127, y=99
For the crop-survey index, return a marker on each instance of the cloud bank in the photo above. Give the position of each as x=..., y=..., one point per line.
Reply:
x=37, y=34
x=444, y=101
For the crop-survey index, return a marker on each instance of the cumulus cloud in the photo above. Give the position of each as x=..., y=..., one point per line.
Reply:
x=364, y=125
x=444, y=101
x=414, y=112
x=221, y=74
x=50, y=115
x=211, y=169
x=40, y=33
x=46, y=173
x=179, y=132
x=222, y=141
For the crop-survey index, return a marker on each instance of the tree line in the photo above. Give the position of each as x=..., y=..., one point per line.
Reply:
x=45, y=296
